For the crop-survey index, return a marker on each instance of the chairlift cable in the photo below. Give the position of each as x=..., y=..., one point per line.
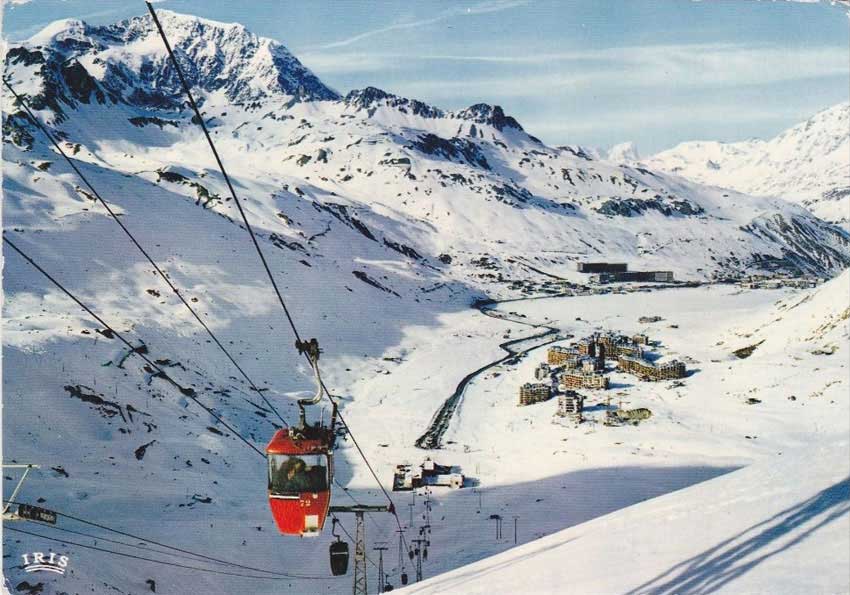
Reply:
x=160, y=372
x=150, y=259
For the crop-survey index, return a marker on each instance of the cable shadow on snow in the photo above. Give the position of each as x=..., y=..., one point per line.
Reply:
x=730, y=559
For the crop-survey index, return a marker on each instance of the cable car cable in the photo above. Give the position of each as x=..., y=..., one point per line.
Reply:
x=174, y=289
x=139, y=538
x=112, y=214
x=200, y=120
x=221, y=167
x=193, y=557
x=161, y=373
x=154, y=560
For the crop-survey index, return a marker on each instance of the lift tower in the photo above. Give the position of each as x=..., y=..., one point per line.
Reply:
x=30, y=512
x=360, y=587
x=382, y=579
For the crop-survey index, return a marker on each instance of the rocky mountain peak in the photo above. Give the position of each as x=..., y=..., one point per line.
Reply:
x=371, y=98
x=484, y=113
x=129, y=63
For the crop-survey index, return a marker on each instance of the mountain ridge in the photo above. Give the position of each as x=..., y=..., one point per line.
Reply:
x=807, y=163
x=450, y=178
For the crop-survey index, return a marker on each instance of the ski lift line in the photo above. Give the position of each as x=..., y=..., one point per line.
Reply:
x=145, y=540
x=112, y=214
x=374, y=522
x=369, y=465
x=356, y=502
x=200, y=118
x=250, y=230
x=159, y=370
x=166, y=563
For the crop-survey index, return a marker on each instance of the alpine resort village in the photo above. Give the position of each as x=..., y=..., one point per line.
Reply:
x=473, y=297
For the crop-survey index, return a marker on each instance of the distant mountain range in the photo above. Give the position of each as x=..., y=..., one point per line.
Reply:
x=402, y=172
x=808, y=164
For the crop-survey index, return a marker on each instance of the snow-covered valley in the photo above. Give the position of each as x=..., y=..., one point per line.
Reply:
x=384, y=220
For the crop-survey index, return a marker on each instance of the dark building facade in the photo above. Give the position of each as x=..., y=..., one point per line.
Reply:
x=601, y=267
x=637, y=276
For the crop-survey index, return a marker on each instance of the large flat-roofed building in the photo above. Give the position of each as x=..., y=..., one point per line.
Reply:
x=601, y=267
x=562, y=356
x=570, y=405
x=629, y=350
x=647, y=370
x=571, y=380
x=637, y=276
x=530, y=393
x=613, y=346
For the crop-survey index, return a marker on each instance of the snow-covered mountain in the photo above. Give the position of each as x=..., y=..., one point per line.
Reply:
x=127, y=63
x=471, y=180
x=383, y=219
x=808, y=164
x=623, y=153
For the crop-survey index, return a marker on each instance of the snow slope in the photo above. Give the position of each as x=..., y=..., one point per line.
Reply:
x=808, y=164
x=751, y=531
x=780, y=525
x=815, y=322
x=382, y=219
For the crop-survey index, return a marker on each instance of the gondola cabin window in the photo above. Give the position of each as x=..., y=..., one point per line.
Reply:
x=297, y=474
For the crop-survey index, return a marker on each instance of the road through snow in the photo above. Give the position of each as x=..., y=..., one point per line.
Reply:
x=433, y=436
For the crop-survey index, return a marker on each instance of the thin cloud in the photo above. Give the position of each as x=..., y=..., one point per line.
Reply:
x=348, y=62
x=481, y=8
x=684, y=66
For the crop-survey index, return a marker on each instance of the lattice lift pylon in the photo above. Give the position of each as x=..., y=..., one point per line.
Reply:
x=360, y=582
x=382, y=578
x=360, y=587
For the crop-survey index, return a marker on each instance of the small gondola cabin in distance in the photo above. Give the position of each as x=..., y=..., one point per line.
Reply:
x=300, y=470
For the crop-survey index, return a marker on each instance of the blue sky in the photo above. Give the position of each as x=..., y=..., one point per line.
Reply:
x=590, y=72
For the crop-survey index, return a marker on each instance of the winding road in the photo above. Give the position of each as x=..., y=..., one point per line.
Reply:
x=433, y=436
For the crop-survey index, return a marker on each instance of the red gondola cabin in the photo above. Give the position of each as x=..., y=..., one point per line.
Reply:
x=300, y=472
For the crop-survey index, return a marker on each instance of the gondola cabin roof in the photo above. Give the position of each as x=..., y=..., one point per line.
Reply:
x=289, y=441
